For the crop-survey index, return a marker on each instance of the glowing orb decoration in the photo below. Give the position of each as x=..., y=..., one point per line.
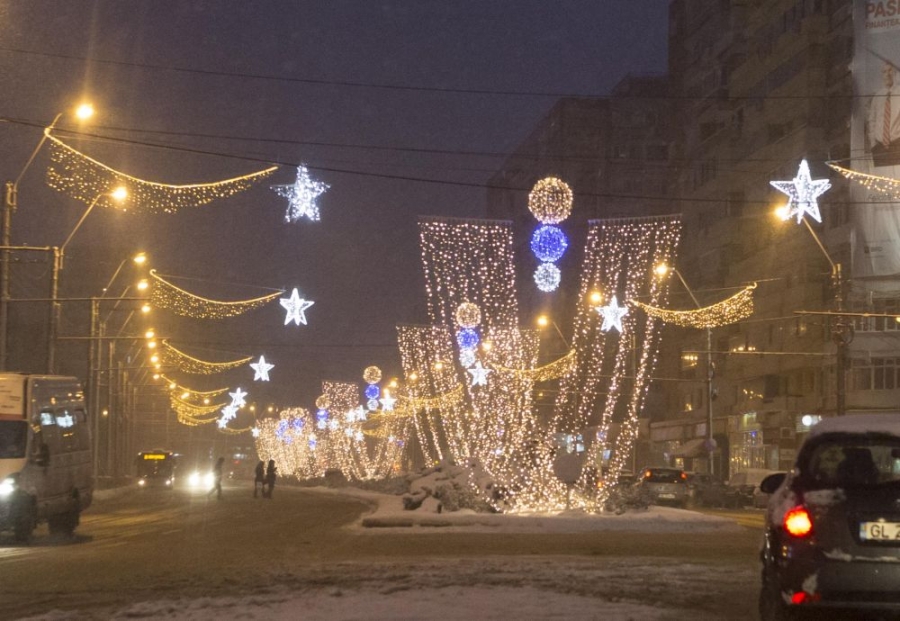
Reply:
x=302, y=196
x=612, y=315
x=467, y=357
x=467, y=338
x=549, y=243
x=372, y=404
x=262, y=369
x=468, y=315
x=547, y=277
x=372, y=375
x=802, y=192
x=372, y=391
x=295, y=307
x=323, y=402
x=550, y=200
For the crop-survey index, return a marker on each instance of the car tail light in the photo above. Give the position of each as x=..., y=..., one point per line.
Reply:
x=797, y=522
x=684, y=476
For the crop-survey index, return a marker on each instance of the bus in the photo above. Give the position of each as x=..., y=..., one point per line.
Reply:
x=156, y=468
x=46, y=461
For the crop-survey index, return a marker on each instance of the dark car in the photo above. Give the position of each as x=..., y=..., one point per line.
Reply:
x=665, y=486
x=705, y=490
x=832, y=534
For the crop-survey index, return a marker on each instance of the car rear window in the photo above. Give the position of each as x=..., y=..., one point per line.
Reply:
x=854, y=462
x=663, y=476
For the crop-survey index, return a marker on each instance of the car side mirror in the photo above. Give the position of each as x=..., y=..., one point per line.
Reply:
x=772, y=482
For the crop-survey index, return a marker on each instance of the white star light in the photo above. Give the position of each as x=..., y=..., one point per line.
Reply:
x=229, y=412
x=262, y=369
x=612, y=315
x=387, y=402
x=802, y=192
x=302, y=195
x=222, y=423
x=479, y=374
x=295, y=307
x=255, y=432
x=237, y=398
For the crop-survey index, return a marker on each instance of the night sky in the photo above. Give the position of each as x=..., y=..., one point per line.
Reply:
x=405, y=108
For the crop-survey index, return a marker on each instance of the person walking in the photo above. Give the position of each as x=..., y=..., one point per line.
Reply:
x=217, y=479
x=271, y=473
x=259, y=481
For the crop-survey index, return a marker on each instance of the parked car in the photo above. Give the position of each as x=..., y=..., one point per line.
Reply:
x=705, y=490
x=832, y=525
x=665, y=486
x=743, y=488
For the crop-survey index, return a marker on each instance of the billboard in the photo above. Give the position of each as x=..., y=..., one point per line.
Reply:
x=875, y=136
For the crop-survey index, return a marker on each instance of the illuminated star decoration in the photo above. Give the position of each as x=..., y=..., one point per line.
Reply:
x=802, y=192
x=387, y=402
x=295, y=307
x=229, y=412
x=479, y=374
x=612, y=315
x=237, y=398
x=262, y=369
x=255, y=432
x=302, y=195
x=222, y=423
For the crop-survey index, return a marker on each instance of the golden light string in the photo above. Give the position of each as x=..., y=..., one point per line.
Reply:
x=171, y=356
x=192, y=410
x=550, y=371
x=194, y=394
x=84, y=179
x=886, y=186
x=164, y=294
x=732, y=310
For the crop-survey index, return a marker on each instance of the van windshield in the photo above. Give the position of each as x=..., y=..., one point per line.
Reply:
x=13, y=434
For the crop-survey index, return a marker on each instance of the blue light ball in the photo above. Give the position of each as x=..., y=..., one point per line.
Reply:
x=322, y=415
x=372, y=391
x=467, y=338
x=549, y=243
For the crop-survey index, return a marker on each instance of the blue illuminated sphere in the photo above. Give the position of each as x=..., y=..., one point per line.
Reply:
x=372, y=391
x=547, y=277
x=282, y=429
x=372, y=404
x=467, y=338
x=298, y=424
x=549, y=243
x=322, y=415
x=312, y=444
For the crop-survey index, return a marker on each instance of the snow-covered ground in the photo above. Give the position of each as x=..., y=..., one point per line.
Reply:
x=490, y=589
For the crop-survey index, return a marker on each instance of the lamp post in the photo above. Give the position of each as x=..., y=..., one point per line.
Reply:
x=10, y=203
x=543, y=321
x=119, y=194
x=661, y=270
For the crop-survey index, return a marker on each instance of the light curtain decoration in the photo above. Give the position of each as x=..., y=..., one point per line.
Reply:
x=734, y=309
x=886, y=186
x=84, y=178
x=173, y=357
x=163, y=294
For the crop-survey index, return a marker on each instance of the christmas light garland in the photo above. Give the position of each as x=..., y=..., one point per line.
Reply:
x=886, y=186
x=188, y=364
x=84, y=179
x=163, y=294
x=732, y=310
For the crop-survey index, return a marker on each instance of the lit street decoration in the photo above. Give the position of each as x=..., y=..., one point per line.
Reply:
x=302, y=196
x=479, y=374
x=238, y=398
x=262, y=369
x=550, y=200
x=612, y=315
x=547, y=277
x=802, y=192
x=295, y=307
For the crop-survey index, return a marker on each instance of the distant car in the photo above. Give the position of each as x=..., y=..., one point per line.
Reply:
x=743, y=488
x=665, y=486
x=832, y=525
x=705, y=490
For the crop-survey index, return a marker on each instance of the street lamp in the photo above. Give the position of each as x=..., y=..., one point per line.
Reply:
x=10, y=203
x=662, y=271
x=842, y=330
x=543, y=321
x=119, y=194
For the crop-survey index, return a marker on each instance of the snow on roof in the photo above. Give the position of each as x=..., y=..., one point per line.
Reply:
x=859, y=423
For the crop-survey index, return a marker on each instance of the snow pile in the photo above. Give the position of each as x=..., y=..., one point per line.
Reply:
x=448, y=487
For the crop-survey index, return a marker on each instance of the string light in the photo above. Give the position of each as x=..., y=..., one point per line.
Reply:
x=886, y=186
x=188, y=364
x=732, y=310
x=802, y=192
x=164, y=294
x=550, y=200
x=83, y=178
x=302, y=196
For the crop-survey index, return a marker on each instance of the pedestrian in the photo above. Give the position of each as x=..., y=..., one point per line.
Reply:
x=271, y=473
x=217, y=479
x=259, y=482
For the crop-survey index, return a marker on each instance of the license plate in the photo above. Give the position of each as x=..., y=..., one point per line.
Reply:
x=879, y=531
x=668, y=496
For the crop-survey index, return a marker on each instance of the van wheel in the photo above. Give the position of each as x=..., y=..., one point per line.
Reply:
x=66, y=523
x=24, y=522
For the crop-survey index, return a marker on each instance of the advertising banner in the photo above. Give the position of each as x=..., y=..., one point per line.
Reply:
x=875, y=136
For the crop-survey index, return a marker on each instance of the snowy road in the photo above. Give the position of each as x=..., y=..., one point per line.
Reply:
x=182, y=556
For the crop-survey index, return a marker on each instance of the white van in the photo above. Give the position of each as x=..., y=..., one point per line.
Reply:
x=46, y=467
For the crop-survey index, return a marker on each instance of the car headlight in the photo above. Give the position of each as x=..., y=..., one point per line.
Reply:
x=7, y=487
x=142, y=482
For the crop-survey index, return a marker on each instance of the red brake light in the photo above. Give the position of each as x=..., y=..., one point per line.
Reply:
x=797, y=522
x=684, y=476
